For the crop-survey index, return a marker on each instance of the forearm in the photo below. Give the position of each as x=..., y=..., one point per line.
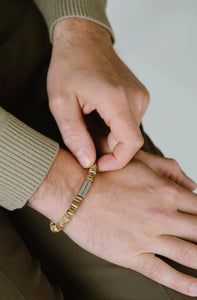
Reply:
x=55, y=10
x=76, y=31
x=61, y=184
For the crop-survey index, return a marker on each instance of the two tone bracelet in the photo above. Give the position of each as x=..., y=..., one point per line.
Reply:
x=56, y=227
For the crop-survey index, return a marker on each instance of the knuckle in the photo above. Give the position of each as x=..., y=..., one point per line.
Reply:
x=169, y=191
x=139, y=94
x=154, y=271
x=173, y=163
x=181, y=286
x=188, y=255
x=70, y=136
x=120, y=93
x=149, y=269
x=147, y=94
x=142, y=98
x=146, y=99
x=55, y=103
x=138, y=141
x=160, y=214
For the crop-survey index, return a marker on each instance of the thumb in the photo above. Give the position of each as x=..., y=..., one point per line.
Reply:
x=74, y=133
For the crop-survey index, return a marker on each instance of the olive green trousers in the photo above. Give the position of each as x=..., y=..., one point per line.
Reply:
x=34, y=263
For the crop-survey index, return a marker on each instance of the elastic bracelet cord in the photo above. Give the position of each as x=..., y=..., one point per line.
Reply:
x=56, y=227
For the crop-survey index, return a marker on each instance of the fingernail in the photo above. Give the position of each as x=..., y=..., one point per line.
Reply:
x=83, y=158
x=193, y=289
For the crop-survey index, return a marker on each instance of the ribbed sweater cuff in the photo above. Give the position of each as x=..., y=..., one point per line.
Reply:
x=87, y=9
x=25, y=158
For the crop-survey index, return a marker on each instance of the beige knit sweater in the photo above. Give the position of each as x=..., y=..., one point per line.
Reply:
x=25, y=155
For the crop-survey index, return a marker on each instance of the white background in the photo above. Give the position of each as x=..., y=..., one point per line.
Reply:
x=157, y=39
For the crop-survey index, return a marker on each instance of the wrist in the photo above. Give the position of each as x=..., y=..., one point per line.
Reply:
x=79, y=30
x=59, y=187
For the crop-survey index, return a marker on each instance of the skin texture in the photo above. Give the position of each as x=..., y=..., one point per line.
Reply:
x=129, y=215
x=86, y=75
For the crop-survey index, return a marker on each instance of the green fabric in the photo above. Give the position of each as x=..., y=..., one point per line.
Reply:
x=21, y=277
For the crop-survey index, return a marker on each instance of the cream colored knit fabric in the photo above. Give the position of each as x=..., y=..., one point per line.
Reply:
x=25, y=158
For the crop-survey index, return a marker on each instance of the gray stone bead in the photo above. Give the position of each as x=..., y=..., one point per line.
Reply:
x=84, y=188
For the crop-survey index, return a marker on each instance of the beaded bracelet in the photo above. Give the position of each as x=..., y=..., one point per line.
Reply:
x=56, y=227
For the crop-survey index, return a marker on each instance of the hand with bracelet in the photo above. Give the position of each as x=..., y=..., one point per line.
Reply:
x=129, y=215
x=132, y=214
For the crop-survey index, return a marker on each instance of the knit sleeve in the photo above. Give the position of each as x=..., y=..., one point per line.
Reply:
x=55, y=10
x=25, y=159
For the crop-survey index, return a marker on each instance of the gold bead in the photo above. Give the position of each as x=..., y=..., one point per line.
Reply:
x=59, y=227
x=72, y=209
x=53, y=227
x=79, y=198
x=70, y=212
x=90, y=178
x=75, y=204
x=67, y=215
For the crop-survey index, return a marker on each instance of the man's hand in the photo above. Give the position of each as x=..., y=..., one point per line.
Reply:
x=86, y=74
x=129, y=215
